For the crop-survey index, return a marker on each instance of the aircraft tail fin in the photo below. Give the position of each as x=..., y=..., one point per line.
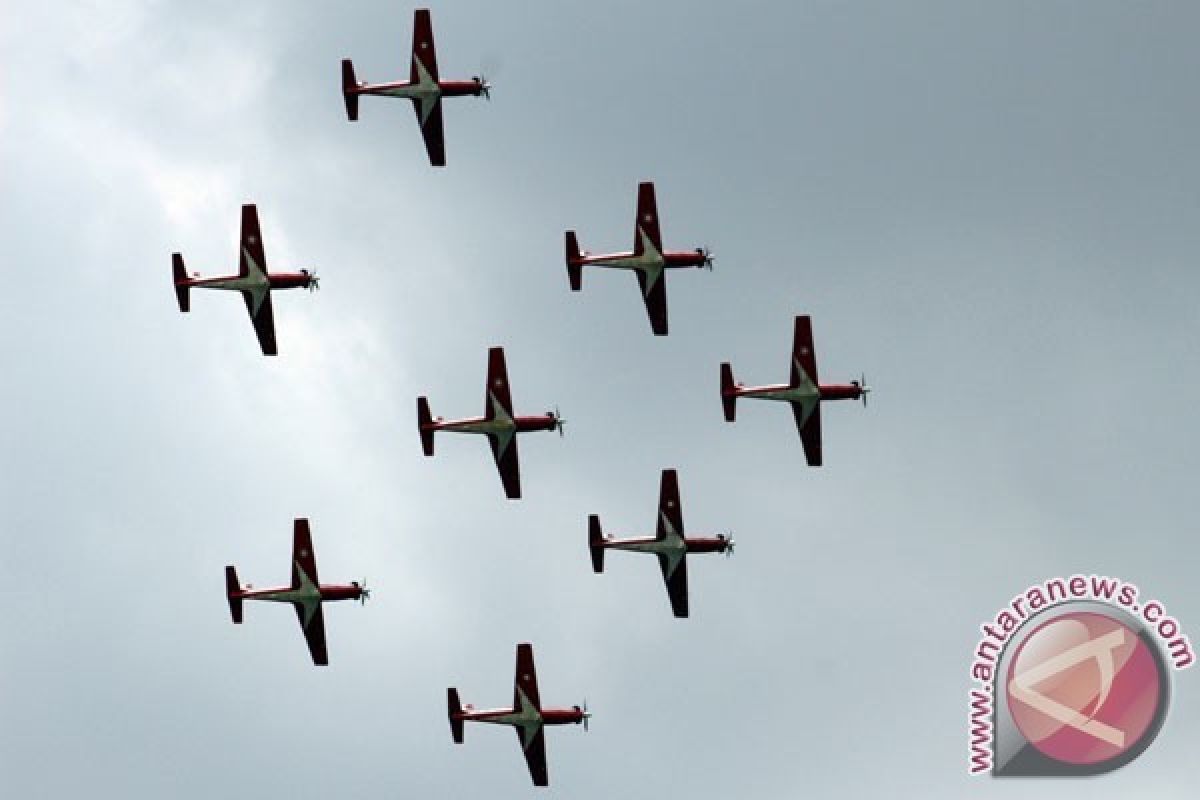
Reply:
x=728, y=392
x=425, y=425
x=181, y=281
x=596, y=543
x=454, y=712
x=349, y=89
x=232, y=588
x=574, y=262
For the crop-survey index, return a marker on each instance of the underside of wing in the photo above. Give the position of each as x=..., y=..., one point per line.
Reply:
x=647, y=220
x=535, y=755
x=810, y=432
x=506, y=463
x=263, y=319
x=677, y=585
x=430, y=121
x=803, y=357
x=314, y=634
x=669, y=508
x=423, y=49
x=497, y=385
x=303, y=557
x=656, y=301
x=250, y=246
x=525, y=679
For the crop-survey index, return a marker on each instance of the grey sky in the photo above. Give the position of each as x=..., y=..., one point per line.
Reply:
x=990, y=208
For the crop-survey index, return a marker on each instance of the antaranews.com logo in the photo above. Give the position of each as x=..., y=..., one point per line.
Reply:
x=1072, y=678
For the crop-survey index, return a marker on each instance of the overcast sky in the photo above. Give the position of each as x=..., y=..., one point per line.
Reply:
x=989, y=208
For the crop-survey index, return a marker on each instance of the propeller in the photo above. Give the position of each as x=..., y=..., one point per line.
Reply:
x=559, y=422
x=363, y=591
x=727, y=538
x=863, y=389
x=708, y=257
x=584, y=716
x=485, y=88
x=314, y=283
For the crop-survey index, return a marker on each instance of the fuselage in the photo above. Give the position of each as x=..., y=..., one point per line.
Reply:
x=498, y=424
x=529, y=716
x=306, y=593
x=647, y=260
x=252, y=281
x=800, y=394
x=649, y=544
x=420, y=89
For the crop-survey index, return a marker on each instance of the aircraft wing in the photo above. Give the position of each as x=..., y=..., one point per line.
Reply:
x=535, y=754
x=497, y=393
x=250, y=246
x=258, y=304
x=803, y=357
x=423, y=50
x=429, y=117
x=656, y=300
x=669, y=510
x=504, y=449
x=314, y=632
x=645, y=229
x=526, y=678
x=303, y=558
x=677, y=587
x=810, y=432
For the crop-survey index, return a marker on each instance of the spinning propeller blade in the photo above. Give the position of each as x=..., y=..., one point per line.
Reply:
x=863, y=388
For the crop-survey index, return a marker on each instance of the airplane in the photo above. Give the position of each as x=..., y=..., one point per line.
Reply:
x=527, y=716
x=804, y=393
x=306, y=593
x=648, y=259
x=252, y=280
x=669, y=543
x=498, y=422
x=423, y=87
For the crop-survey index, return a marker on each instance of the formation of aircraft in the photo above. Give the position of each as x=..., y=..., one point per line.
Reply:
x=252, y=280
x=527, y=716
x=423, y=87
x=648, y=259
x=803, y=392
x=668, y=543
x=498, y=423
x=306, y=593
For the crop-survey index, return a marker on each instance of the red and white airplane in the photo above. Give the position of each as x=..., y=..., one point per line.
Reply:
x=423, y=87
x=804, y=393
x=669, y=543
x=252, y=280
x=498, y=422
x=306, y=593
x=526, y=716
x=648, y=259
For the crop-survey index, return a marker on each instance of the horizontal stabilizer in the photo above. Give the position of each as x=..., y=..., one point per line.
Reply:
x=454, y=710
x=728, y=392
x=425, y=425
x=574, y=262
x=349, y=89
x=596, y=543
x=232, y=589
x=181, y=281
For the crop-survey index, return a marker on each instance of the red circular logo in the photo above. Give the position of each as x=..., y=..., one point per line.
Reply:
x=1083, y=688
